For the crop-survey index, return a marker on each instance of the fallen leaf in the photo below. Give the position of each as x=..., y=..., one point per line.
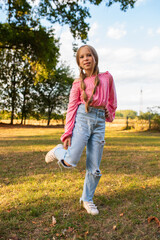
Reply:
x=70, y=229
x=114, y=227
x=53, y=221
x=121, y=214
x=86, y=233
x=154, y=218
x=46, y=229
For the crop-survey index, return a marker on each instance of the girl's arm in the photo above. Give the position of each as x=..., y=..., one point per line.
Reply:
x=112, y=101
x=74, y=101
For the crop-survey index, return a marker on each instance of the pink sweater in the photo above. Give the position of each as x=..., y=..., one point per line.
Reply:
x=105, y=96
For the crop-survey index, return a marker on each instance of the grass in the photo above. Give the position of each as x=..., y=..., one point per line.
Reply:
x=31, y=192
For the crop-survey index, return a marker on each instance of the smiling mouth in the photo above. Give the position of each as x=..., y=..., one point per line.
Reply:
x=88, y=63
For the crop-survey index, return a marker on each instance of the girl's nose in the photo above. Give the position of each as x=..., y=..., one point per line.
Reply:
x=86, y=58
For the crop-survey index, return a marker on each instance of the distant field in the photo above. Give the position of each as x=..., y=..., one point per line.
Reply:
x=31, y=192
x=117, y=124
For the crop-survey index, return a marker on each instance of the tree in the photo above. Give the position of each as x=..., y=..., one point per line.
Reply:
x=52, y=93
x=25, y=89
x=153, y=115
x=18, y=67
x=119, y=114
x=126, y=113
x=10, y=65
x=40, y=45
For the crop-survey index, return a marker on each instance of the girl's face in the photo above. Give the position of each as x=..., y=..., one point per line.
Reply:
x=86, y=59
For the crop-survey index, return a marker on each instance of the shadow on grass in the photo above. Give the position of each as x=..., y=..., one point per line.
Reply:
x=30, y=141
x=22, y=164
x=136, y=204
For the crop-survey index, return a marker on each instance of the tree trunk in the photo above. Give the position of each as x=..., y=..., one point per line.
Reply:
x=23, y=107
x=49, y=113
x=22, y=120
x=24, y=102
x=49, y=117
x=50, y=109
x=13, y=92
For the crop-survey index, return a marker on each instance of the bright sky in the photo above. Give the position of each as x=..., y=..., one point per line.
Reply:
x=128, y=45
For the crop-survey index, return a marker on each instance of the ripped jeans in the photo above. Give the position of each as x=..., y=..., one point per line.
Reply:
x=88, y=131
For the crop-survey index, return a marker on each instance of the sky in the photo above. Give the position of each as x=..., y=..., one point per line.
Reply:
x=128, y=46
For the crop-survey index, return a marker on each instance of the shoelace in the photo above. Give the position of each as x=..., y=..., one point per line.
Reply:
x=59, y=164
x=92, y=205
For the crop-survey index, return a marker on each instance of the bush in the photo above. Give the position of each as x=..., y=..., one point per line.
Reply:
x=153, y=116
x=4, y=115
x=126, y=113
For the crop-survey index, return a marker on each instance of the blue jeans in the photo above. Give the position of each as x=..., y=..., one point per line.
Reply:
x=88, y=131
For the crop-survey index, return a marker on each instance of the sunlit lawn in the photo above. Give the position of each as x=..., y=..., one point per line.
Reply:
x=32, y=191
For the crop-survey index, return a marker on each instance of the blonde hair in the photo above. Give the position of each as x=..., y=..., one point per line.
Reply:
x=95, y=71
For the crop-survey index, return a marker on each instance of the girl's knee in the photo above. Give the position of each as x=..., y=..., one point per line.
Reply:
x=95, y=173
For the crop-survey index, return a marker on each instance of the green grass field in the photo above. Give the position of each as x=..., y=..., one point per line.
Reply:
x=32, y=191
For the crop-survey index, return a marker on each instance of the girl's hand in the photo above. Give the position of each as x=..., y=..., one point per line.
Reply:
x=67, y=142
x=106, y=113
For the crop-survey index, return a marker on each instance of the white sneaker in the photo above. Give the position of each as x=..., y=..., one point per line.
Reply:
x=50, y=156
x=91, y=208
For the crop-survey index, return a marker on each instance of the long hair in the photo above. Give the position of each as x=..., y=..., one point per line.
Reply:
x=94, y=71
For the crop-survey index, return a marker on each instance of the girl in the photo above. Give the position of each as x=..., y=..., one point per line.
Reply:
x=92, y=101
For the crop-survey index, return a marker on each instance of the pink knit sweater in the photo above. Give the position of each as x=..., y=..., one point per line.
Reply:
x=105, y=96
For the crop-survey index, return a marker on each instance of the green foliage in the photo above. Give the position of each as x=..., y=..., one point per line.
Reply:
x=146, y=116
x=10, y=75
x=73, y=13
x=39, y=45
x=152, y=115
x=32, y=90
x=119, y=114
x=57, y=116
x=4, y=114
x=126, y=113
x=123, y=3
x=52, y=93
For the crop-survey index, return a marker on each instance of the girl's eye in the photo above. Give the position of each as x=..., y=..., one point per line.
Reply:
x=88, y=55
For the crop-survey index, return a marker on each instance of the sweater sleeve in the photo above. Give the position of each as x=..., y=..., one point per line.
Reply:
x=112, y=100
x=74, y=101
